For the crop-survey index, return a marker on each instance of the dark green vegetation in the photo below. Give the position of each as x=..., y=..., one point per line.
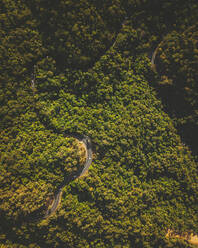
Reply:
x=177, y=63
x=92, y=76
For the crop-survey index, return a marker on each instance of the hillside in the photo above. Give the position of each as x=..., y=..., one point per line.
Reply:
x=73, y=68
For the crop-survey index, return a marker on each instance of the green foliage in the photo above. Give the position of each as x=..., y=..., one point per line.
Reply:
x=76, y=32
x=177, y=66
x=91, y=76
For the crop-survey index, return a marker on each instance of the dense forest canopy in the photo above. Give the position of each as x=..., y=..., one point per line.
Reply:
x=177, y=63
x=84, y=67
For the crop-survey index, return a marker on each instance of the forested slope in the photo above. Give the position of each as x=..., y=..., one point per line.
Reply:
x=177, y=63
x=90, y=63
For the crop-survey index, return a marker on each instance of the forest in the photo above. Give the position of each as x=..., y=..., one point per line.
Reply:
x=70, y=68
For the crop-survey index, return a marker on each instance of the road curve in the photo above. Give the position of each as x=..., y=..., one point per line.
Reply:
x=87, y=142
x=191, y=238
x=153, y=66
x=88, y=146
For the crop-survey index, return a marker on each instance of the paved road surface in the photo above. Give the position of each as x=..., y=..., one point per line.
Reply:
x=88, y=146
x=153, y=66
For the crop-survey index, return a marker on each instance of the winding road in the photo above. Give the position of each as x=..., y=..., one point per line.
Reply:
x=82, y=138
x=190, y=237
x=153, y=66
x=89, y=157
x=88, y=146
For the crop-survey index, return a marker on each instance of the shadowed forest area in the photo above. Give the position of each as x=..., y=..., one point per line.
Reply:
x=85, y=67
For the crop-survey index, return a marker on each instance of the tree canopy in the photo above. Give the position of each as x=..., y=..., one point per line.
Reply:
x=83, y=67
